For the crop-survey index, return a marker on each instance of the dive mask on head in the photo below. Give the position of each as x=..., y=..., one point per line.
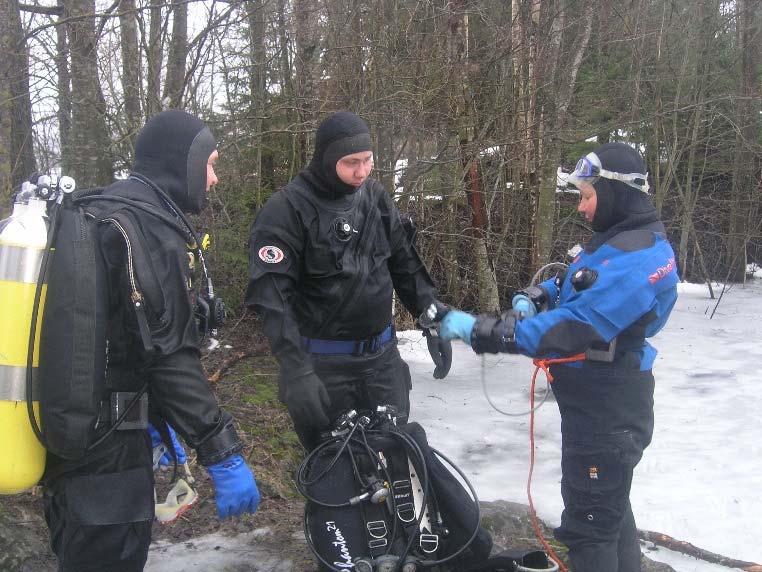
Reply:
x=589, y=170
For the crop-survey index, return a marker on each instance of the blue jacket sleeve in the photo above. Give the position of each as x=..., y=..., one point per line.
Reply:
x=629, y=286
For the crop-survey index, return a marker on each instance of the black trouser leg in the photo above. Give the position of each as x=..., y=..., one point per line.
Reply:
x=360, y=382
x=100, y=511
x=629, y=547
x=606, y=423
x=595, y=487
x=390, y=385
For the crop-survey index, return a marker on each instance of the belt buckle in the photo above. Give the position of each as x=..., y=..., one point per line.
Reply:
x=375, y=344
x=406, y=512
x=134, y=418
x=360, y=346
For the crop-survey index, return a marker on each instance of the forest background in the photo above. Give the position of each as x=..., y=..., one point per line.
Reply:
x=473, y=105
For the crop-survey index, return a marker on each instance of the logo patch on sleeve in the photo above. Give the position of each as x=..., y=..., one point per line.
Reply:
x=271, y=254
x=662, y=271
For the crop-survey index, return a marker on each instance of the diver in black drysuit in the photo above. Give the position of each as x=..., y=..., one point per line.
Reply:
x=100, y=509
x=327, y=254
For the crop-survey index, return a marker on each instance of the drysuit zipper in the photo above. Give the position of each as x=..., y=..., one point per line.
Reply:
x=135, y=295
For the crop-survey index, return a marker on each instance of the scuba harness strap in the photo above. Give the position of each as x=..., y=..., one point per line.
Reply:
x=377, y=529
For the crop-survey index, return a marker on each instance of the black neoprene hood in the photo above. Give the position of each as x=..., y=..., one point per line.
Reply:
x=617, y=201
x=172, y=150
x=339, y=135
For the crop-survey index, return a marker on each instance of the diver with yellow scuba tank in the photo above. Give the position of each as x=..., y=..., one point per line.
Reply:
x=118, y=347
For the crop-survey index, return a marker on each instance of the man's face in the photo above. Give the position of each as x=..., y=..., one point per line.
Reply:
x=211, y=176
x=588, y=201
x=354, y=169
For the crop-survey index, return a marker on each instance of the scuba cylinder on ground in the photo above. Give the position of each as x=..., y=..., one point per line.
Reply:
x=22, y=244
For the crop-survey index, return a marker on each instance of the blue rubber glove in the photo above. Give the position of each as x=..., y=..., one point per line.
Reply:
x=235, y=490
x=168, y=458
x=457, y=325
x=524, y=306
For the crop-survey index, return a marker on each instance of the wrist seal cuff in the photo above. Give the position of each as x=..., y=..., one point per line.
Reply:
x=220, y=445
x=494, y=335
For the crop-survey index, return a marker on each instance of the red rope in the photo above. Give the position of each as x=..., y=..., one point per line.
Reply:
x=544, y=365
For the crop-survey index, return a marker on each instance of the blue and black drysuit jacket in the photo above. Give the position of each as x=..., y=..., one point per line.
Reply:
x=630, y=299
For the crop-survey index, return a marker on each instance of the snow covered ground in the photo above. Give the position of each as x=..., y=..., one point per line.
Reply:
x=701, y=478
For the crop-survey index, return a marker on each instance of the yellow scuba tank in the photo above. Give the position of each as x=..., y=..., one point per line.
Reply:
x=22, y=243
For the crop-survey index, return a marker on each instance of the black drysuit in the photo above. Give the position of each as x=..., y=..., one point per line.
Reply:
x=323, y=266
x=100, y=508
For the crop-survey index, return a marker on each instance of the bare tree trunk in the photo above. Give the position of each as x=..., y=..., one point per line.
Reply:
x=306, y=14
x=284, y=51
x=174, y=84
x=689, y=194
x=64, y=96
x=287, y=85
x=488, y=297
x=655, y=153
x=745, y=168
x=15, y=104
x=153, y=59
x=131, y=75
x=6, y=106
x=91, y=163
x=555, y=120
x=518, y=51
x=257, y=88
x=449, y=253
x=21, y=118
x=523, y=178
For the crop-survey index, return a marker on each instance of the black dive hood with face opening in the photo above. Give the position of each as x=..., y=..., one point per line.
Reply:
x=619, y=206
x=172, y=151
x=339, y=135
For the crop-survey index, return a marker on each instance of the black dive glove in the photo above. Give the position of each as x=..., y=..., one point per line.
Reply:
x=307, y=400
x=441, y=353
x=439, y=348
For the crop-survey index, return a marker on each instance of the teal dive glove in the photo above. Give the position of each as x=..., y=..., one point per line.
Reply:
x=524, y=306
x=457, y=325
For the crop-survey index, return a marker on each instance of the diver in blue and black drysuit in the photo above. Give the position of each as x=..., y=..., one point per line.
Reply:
x=618, y=291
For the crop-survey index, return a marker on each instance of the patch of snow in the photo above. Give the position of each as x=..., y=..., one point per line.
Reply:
x=699, y=481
